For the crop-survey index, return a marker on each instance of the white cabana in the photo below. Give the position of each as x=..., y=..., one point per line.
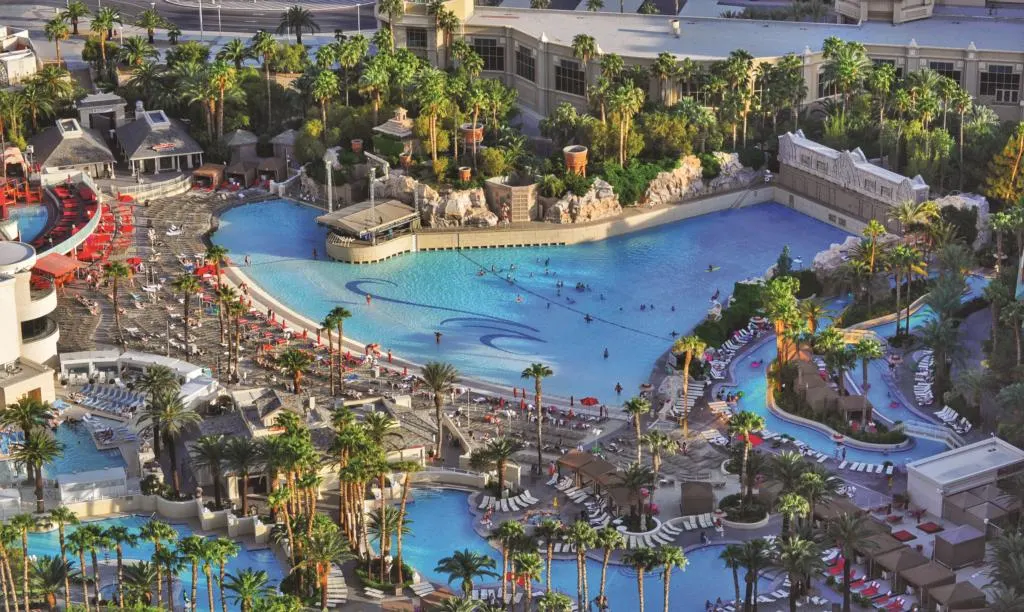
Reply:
x=92, y=485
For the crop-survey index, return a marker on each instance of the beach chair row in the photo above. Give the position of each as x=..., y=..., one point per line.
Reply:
x=867, y=468
x=508, y=504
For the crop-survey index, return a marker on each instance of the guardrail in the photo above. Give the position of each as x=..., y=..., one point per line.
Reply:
x=933, y=432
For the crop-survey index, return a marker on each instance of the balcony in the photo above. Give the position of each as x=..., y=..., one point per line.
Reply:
x=42, y=300
x=39, y=340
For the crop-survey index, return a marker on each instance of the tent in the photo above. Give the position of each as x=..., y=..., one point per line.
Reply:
x=901, y=559
x=208, y=176
x=877, y=545
x=960, y=546
x=958, y=596
x=983, y=514
x=835, y=508
x=955, y=507
x=92, y=485
x=598, y=470
x=243, y=172
x=696, y=498
x=574, y=460
x=56, y=266
x=926, y=576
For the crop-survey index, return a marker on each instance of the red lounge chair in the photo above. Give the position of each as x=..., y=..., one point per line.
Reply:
x=871, y=591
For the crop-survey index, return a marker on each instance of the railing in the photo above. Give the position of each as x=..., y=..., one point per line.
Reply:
x=934, y=432
x=171, y=186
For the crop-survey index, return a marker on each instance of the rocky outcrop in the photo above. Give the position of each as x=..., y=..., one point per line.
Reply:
x=967, y=201
x=672, y=186
x=733, y=174
x=466, y=208
x=600, y=202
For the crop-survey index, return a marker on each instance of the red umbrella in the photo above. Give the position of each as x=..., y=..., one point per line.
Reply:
x=590, y=401
x=755, y=440
x=268, y=347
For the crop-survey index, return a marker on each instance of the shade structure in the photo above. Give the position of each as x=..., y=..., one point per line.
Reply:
x=835, y=508
x=926, y=576
x=574, y=460
x=901, y=559
x=960, y=546
x=598, y=471
x=984, y=513
x=696, y=498
x=56, y=266
x=955, y=507
x=590, y=401
x=755, y=440
x=877, y=545
x=958, y=596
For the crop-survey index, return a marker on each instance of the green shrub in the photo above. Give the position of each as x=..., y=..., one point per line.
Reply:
x=551, y=186
x=809, y=284
x=747, y=303
x=577, y=184
x=493, y=162
x=709, y=165
x=965, y=221
x=387, y=147
x=751, y=157
x=739, y=509
x=440, y=167
x=631, y=182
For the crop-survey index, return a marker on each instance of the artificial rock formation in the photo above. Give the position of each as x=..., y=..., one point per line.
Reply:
x=966, y=201
x=686, y=181
x=467, y=208
x=600, y=202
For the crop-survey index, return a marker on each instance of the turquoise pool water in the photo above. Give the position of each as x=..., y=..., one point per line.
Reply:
x=48, y=544
x=487, y=333
x=442, y=523
x=80, y=453
x=31, y=220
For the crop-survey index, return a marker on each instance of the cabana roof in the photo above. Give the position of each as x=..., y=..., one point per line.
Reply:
x=901, y=559
x=835, y=508
x=964, y=500
x=357, y=219
x=959, y=535
x=56, y=265
x=877, y=545
x=240, y=138
x=959, y=595
x=928, y=574
x=598, y=470
x=574, y=460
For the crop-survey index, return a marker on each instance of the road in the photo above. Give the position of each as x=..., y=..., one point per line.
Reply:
x=234, y=18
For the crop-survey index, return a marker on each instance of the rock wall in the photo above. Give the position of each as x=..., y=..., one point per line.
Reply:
x=453, y=209
x=965, y=201
x=686, y=180
x=600, y=202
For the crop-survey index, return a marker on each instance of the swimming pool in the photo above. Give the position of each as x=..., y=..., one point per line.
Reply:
x=487, y=333
x=31, y=220
x=442, y=523
x=49, y=544
x=80, y=452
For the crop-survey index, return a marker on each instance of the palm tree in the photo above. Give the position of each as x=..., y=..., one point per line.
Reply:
x=744, y=424
x=102, y=25
x=296, y=20
x=187, y=285
x=659, y=444
x=222, y=78
x=431, y=92
x=337, y=315
x=786, y=468
x=495, y=455
x=76, y=9
x=57, y=30
x=158, y=532
x=22, y=523
x=328, y=324
x=640, y=560
x=669, y=558
x=732, y=555
x=849, y=534
x=799, y=559
x=791, y=505
x=150, y=20
x=583, y=537
x=210, y=452
x=325, y=547
x=584, y=48
x=294, y=362
x=624, y=102
x=265, y=47
x=139, y=578
x=867, y=350
x=172, y=565
x=157, y=381
x=248, y=586
x=135, y=51
x=376, y=81
x=119, y=536
x=817, y=485
x=528, y=566
x=754, y=558
x=942, y=338
x=174, y=419
x=192, y=550
x=688, y=346
x=904, y=261
x=79, y=542
x=508, y=533
x=242, y=457
x=114, y=272
x=465, y=566
x=609, y=540
x=234, y=52
x=635, y=408
x=27, y=414
x=440, y=379
x=548, y=531
x=635, y=478
x=37, y=100
x=665, y=70
x=538, y=372
x=49, y=574
x=62, y=516
x=350, y=55
x=38, y=449
x=323, y=89
x=846, y=67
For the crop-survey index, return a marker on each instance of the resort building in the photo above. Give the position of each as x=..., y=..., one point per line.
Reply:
x=28, y=334
x=962, y=484
x=531, y=50
x=845, y=181
x=68, y=148
x=18, y=60
x=102, y=111
x=155, y=143
x=110, y=365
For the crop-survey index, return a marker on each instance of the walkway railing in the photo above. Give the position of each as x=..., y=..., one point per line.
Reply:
x=934, y=432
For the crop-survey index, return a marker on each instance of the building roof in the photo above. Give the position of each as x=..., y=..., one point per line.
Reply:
x=69, y=144
x=286, y=138
x=958, y=464
x=100, y=100
x=399, y=126
x=356, y=220
x=111, y=473
x=901, y=559
x=181, y=368
x=575, y=459
x=959, y=535
x=56, y=265
x=239, y=138
x=958, y=593
x=634, y=35
x=929, y=574
x=155, y=135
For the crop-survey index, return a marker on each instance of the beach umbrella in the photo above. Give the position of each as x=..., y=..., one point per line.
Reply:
x=755, y=440
x=589, y=401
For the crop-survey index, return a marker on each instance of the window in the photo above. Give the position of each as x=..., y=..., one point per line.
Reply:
x=889, y=62
x=869, y=185
x=492, y=53
x=886, y=192
x=946, y=69
x=526, y=64
x=569, y=78
x=825, y=89
x=821, y=166
x=416, y=38
x=1000, y=82
x=805, y=160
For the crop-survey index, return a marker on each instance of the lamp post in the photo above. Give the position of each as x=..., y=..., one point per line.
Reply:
x=202, y=34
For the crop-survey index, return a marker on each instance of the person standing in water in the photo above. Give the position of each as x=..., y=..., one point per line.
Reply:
x=437, y=337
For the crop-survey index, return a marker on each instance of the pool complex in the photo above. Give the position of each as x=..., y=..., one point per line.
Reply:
x=442, y=523
x=49, y=544
x=80, y=452
x=489, y=334
x=32, y=220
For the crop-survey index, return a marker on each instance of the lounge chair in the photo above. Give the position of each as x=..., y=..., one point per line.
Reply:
x=485, y=502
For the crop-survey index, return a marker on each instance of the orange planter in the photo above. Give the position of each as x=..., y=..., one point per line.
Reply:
x=575, y=159
x=465, y=173
x=472, y=134
x=357, y=145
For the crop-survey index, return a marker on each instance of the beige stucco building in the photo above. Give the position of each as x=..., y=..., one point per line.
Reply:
x=529, y=49
x=28, y=333
x=18, y=60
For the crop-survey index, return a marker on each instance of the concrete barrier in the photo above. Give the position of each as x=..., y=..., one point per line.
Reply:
x=459, y=478
x=213, y=520
x=178, y=510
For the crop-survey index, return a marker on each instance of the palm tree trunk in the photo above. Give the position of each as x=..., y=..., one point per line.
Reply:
x=85, y=581
x=209, y=585
x=25, y=563
x=195, y=586
x=95, y=576
x=686, y=389
x=3, y=582
x=440, y=430
x=330, y=362
x=220, y=115
x=220, y=586
x=266, y=70
x=159, y=583
x=504, y=568
x=341, y=347
x=540, y=424
x=172, y=454
x=64, y=558
x=401, y=524
x=120, y=577
x=640, y=588
x=40, y=504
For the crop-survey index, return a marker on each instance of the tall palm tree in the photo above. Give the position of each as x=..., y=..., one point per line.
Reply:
x=265, y=47
x=583, y=537
x=139, y=578
x=57, y=30
x=732, y=556
x=624, y=102
x=608, y=540
x=174, y=419
x=27, y=414
x=817, y=485
x=242, y=457
x=659, y=444
x=495, y=455
x=338, y=315
x=236, y=52
x=192, y=550
x=76, y=9
x=791, y=505
x=79, y=543
x=119, y=536
x=669, y=558
x=509, y=533
x=222, y=76
x=102, y=25
x=49, y=574
x=548, y=531
x=584, y=48
x=172, y=564
x=799, y=559
x=297, y=20
x=38, y=449
x=135, y=51
x=431, y=92
x=635, y=408
x=158, y=533
x=743, y=425
x=323, y=90
x=440, y=379
x=635, y=478
x=538, y=372
x=187, y=285
x=641, y=561
x=114, y=272
x=466, y=566
x=528, y=566
x=786, y=468
x=328, y=325
x=157, y=381
x=294, y=362
x=22, y=524
x=62, y=516
x=393, y=10
x=688, y=346
x=325, y=547
x=849, y=534
x=352, y=53
x=247, y=587
x=846, y=67
x=150, y=20
x=210, y=453
x=867, y=350
x=754, y=558
x=375, y=81
x=665, y=69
